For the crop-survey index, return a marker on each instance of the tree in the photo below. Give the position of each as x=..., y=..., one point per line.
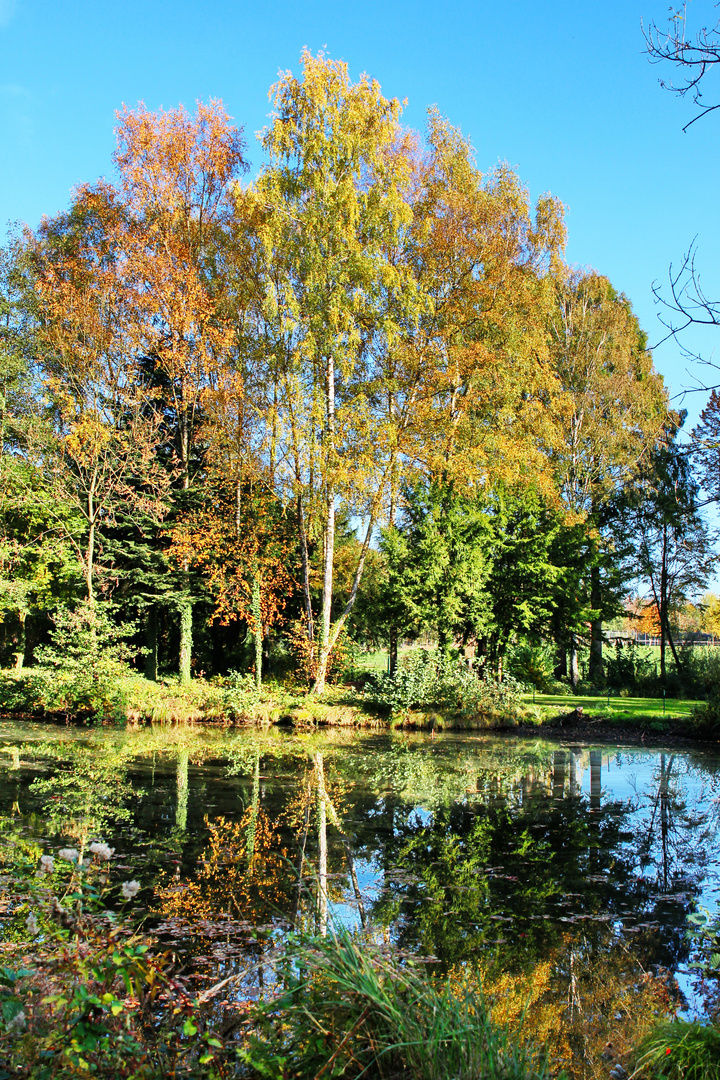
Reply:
x=238, y=542
x=177, y=174
x=335, y=197
x=674, y=545
x=135, y=319
x=694, y=58
x=35, y=563
x=706, y=446
x=97, y=448
x=401, y=307
x=610, y=416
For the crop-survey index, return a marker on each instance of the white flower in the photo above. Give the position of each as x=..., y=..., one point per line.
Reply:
x=102, y=851
x=69, y=854
x=130, y=889
x=47, y=863
x=32, y=924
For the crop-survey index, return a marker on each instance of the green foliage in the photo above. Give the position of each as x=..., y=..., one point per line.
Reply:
x=97, y=998
x=534, y=665
x=348, y=1010
x=681, y=1051
x=79, y=671
x=705, y=932
x=432, y=677
x=706, y=717
x=238, y=696
x=629, y=666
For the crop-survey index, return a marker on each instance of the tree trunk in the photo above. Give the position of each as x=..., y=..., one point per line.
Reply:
x=90, y=564
x=20, y=652
x=574, y=668
x=393, y=650
x=257, y=629
x=307, y=599
x=663, y=604
x=561, y=663
x=182, y=778
x=339, y=624
x=255, y=806
x=151, y=637
x=322, y=908
x=329, y=537
x=596, y=671
x=185, y=608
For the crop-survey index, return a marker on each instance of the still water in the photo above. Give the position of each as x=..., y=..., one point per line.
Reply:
x=457, y=847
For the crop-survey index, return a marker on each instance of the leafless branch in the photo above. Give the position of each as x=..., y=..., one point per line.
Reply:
x=694, y=57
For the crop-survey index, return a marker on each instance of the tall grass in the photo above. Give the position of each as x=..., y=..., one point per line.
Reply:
x=349, y=1010
x=681, y=1051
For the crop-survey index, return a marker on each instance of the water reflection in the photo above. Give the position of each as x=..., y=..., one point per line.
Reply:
x=511, y=853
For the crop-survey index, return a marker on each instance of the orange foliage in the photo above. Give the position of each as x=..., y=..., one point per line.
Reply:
x=243, y=873
x=234, y=546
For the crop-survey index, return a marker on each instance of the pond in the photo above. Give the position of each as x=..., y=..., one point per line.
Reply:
x=521, y=856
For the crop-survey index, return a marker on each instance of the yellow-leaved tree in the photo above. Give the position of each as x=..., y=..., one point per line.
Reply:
x=403, y=313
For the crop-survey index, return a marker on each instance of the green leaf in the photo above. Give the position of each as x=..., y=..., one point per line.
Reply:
x=11, y=1007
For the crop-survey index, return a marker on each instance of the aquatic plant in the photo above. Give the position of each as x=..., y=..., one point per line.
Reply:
x=351, y=1009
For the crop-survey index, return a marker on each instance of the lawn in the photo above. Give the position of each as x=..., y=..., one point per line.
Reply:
x=615, y=709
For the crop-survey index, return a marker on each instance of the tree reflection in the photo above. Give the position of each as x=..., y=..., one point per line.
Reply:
x=503, y=854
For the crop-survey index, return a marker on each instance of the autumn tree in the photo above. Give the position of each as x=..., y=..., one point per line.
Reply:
x=610, y=416
x=135, y=320
x=36, y=566
x=402, y=288
x=97, y=449
x=176, y=176
x=238, y=541
x=335, y=191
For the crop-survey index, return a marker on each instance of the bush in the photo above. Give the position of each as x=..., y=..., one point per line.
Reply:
x=82, y=993
x=428, y=677
x=236, y=696
x=79, y=672
x=629, y=666
x=534, y=665
x=705, y=718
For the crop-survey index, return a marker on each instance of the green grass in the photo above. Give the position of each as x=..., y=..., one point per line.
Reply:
x=350, y=1009
x=681, y=1051
x=618, y=710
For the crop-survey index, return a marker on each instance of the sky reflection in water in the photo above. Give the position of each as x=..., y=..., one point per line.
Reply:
x=508, y=850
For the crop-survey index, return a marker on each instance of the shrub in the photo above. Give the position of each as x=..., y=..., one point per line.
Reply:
x=82, y=993
x=429, y=677
x=79, y=672
x=236, y=696
x=534, y=665
x=629, y=666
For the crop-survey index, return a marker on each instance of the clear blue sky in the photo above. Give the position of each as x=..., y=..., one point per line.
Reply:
x=561, y=90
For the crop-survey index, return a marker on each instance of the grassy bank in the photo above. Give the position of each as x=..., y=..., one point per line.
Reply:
x=236, y=700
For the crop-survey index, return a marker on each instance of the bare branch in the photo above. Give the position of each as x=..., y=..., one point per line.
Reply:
x=693, y=57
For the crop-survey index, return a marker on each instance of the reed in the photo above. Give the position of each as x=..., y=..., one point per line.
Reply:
x=349, y=1009
x=681, y=1050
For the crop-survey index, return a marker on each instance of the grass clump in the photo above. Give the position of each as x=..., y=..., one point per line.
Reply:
x=348, y=1010
x=681, y=1050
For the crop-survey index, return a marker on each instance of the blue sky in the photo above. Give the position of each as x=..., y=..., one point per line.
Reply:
x=561, y=90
